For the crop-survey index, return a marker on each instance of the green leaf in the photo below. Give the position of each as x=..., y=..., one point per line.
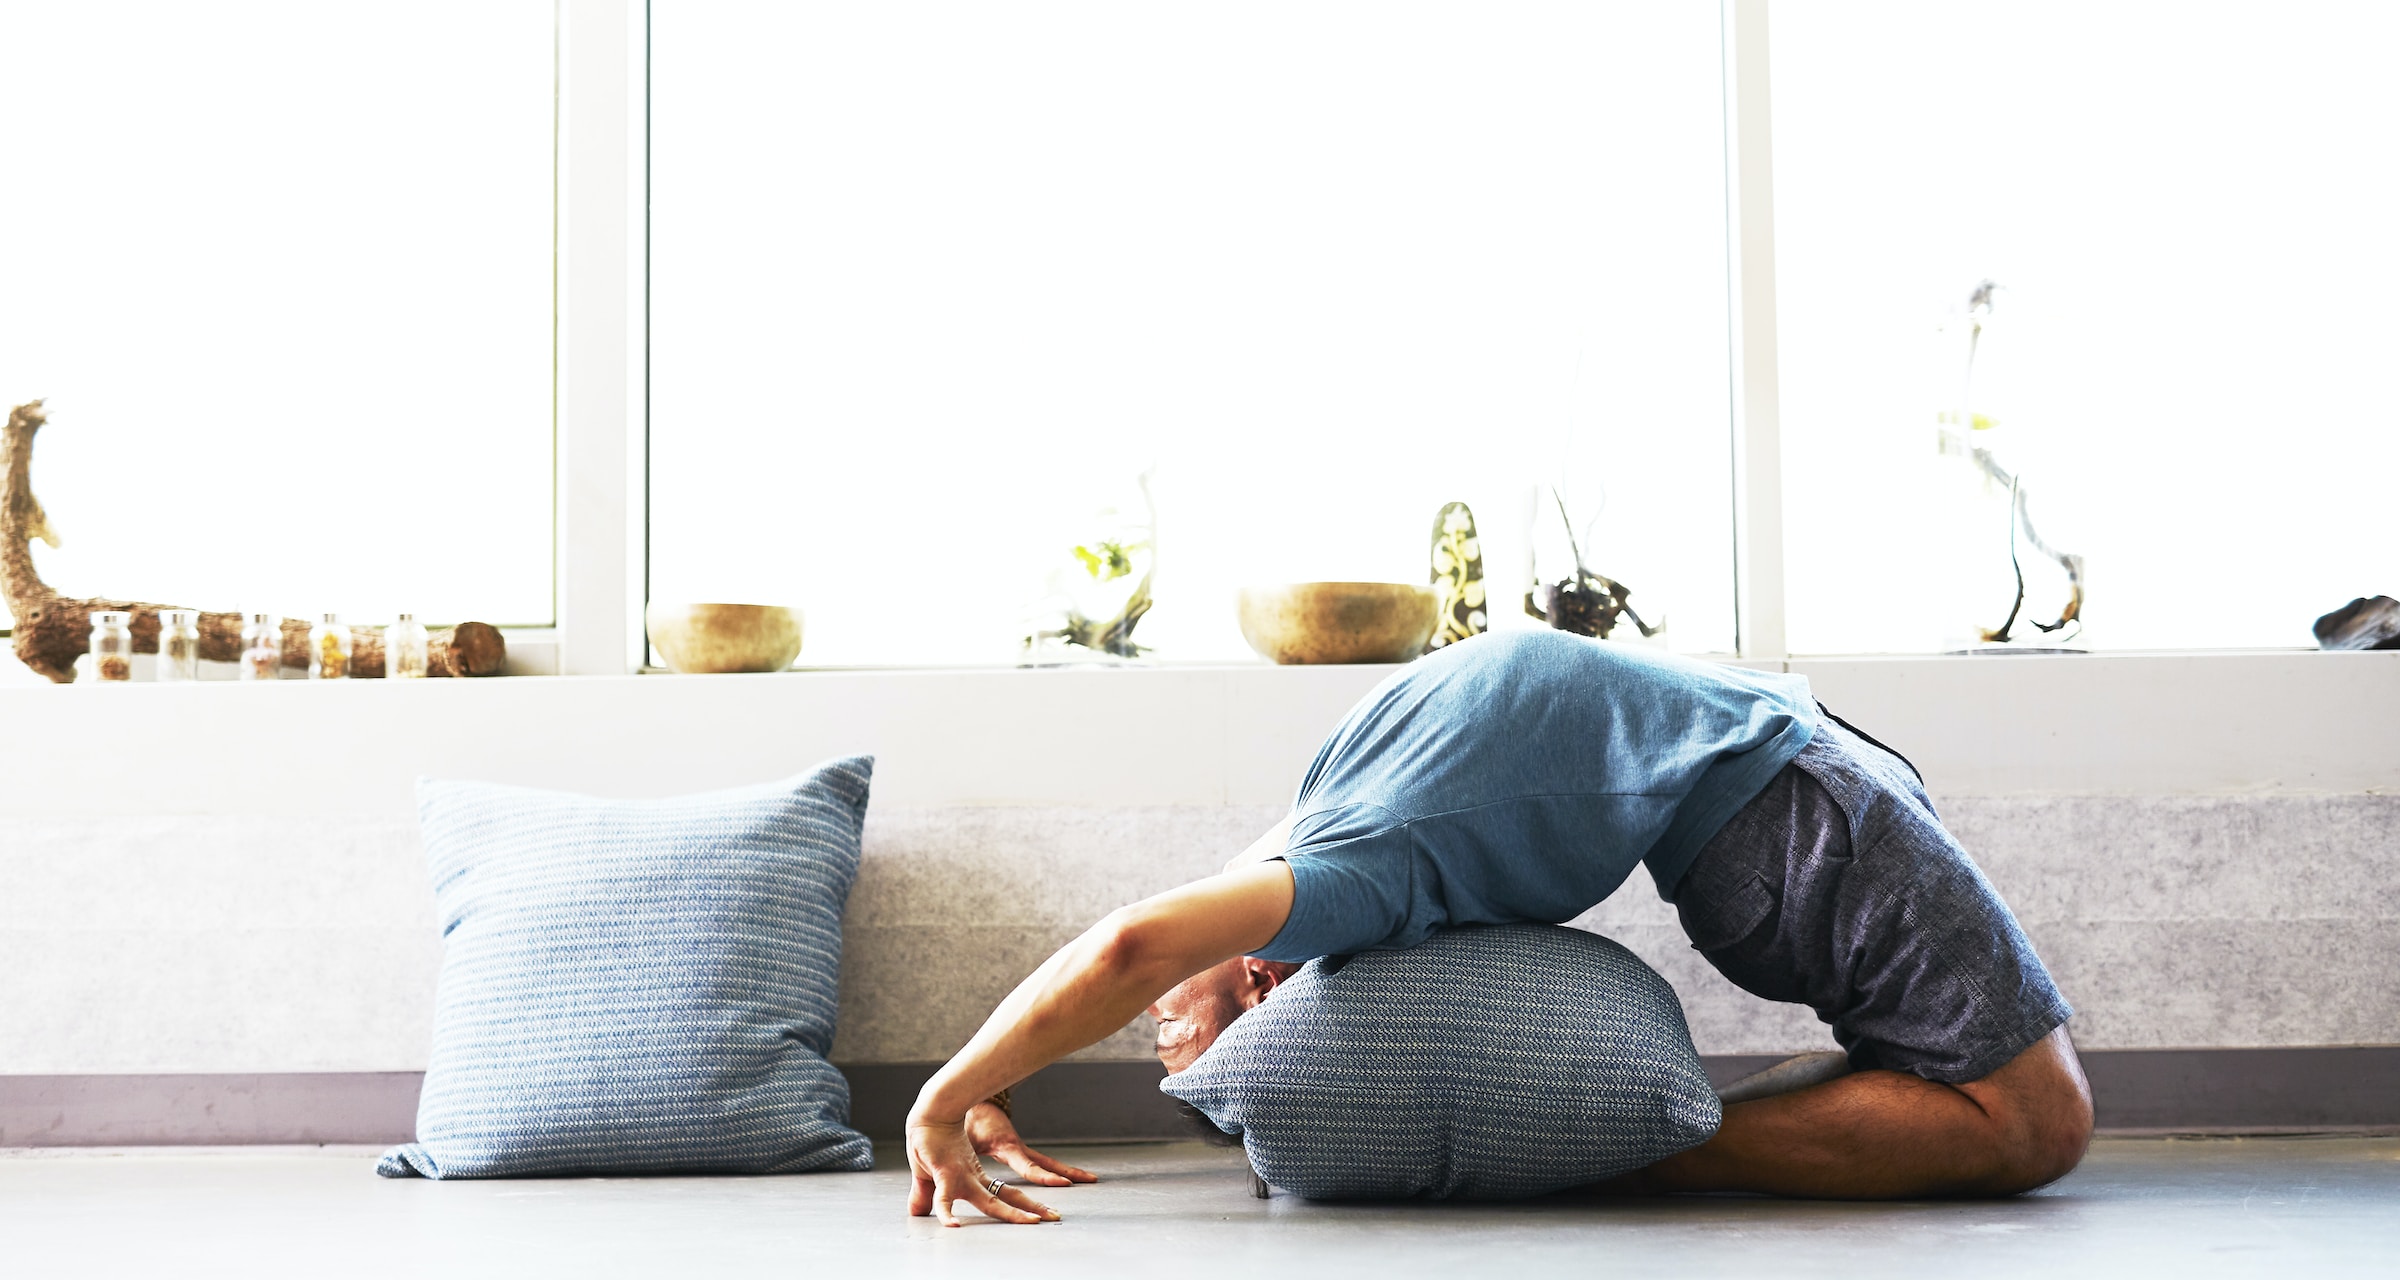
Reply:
x=1107, y=564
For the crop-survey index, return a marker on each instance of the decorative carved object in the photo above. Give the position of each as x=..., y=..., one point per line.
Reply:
x=52, y=631
x=1458, y=576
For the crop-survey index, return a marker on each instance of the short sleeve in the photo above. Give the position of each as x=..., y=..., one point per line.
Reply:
x=1354, y=895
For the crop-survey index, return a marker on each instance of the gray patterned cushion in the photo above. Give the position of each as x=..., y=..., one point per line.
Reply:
x=638, y=985
x=1481, y=1064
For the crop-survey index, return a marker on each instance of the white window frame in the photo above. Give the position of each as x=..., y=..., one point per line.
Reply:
x=1750, y=279
x=602, y=479
x=597, y=79
x=603, y=420
x=2194, y=723
x=603, y=394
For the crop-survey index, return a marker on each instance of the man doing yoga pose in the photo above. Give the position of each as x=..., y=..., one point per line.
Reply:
x=1520, y=777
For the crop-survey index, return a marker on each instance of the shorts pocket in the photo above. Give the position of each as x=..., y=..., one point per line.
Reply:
x=1731, y=917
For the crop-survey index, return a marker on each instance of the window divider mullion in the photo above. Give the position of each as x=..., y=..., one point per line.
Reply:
x=598, y=439
x=1750, y=280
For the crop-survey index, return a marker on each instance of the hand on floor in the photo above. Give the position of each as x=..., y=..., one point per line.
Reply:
x=946, y=1171
x=995, y=1134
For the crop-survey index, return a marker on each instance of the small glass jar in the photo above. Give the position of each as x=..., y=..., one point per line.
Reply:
x=405, y=649
x=328, y=649
x=112, y=646
x=262, y=648
x=178, y=645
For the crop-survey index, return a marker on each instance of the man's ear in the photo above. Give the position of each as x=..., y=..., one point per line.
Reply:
x=1260, y=978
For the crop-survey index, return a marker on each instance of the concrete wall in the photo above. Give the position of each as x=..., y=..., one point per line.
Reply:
x=226, y=879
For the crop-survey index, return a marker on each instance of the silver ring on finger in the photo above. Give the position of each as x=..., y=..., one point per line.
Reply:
x=992, y=1185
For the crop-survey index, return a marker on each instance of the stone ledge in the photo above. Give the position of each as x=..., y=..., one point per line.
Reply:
x=2335, y=1088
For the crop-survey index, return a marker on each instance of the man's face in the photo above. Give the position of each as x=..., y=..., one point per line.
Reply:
x=1191, y=1016
x=1197, y=1011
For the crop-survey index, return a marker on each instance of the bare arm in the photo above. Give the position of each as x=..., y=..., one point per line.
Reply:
x=1090, y=988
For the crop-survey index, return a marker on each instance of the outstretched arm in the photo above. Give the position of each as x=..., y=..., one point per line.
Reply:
x=1090, y=988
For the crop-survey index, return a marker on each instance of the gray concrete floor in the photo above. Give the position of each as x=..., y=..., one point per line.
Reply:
x=2138, y=1207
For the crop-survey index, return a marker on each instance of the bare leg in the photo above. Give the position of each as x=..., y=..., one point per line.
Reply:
x=1880, y=1135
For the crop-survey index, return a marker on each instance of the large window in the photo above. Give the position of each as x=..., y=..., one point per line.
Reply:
x=283, y=273
x=2185, y=367
x=934, y=283
x=942, y=291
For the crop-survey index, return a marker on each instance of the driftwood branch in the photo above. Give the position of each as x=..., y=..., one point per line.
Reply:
x=1588, y=604
x=2020, y=517
x=52, y=631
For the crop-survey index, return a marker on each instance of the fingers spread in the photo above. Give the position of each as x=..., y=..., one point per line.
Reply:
x=1062, y=1169
x=993, y=1207
x=1028, y=1165
x=1016, y=1198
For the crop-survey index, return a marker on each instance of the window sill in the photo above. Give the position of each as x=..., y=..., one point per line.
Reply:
x=1200, y=734
x=1794, y=662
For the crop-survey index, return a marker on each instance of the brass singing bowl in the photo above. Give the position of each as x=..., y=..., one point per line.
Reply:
x=715, y=638
x=1302, y=623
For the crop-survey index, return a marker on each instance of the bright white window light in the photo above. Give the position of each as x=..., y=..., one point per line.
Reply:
x=283, y=273
x=2189, y=210
x=932, y=281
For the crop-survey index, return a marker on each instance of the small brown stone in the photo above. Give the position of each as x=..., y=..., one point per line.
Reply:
x=2369, y=622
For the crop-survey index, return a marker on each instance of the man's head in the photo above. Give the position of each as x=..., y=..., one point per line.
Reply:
x=1197, y=1011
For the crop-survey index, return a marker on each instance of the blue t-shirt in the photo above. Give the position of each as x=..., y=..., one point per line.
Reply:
x=1518, y=777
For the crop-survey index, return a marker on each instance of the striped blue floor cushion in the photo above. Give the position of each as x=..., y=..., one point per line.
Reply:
x=1481, y=1064
x=638, y=986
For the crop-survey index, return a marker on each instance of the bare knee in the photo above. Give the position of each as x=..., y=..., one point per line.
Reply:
x=2043, y=1148
x=2041, y=1107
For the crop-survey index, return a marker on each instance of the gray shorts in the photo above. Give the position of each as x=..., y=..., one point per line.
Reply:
x=1837, y=888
